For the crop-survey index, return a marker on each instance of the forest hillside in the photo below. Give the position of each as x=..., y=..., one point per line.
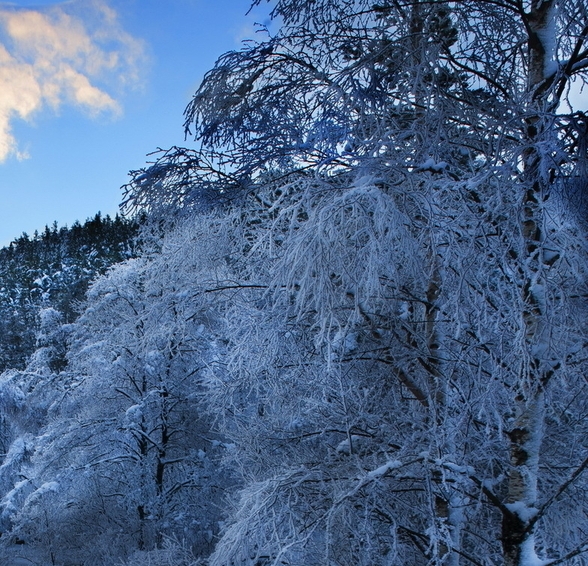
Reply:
x=53, y=269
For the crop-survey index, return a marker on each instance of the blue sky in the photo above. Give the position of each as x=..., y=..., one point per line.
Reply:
x=89, y=87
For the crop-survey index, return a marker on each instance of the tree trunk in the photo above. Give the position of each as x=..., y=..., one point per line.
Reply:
x=518, y=527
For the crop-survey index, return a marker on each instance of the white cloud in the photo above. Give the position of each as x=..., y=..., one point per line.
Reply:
x=74, y=53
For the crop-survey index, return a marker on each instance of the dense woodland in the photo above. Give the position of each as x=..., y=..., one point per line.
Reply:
x=52, y=270
x=355, y=332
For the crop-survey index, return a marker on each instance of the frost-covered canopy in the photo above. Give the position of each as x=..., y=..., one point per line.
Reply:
x=385, y=86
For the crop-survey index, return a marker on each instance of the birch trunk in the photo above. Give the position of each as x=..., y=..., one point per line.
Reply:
x=518, y=527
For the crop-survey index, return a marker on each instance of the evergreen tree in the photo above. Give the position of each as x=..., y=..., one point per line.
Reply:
x=53, y=270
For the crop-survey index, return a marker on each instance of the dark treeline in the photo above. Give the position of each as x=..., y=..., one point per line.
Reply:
x=53, y=269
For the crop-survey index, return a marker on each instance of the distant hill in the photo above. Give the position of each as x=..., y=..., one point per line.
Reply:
x=53, y=269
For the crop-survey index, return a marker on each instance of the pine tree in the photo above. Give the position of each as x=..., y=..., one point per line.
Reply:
x=53, y=270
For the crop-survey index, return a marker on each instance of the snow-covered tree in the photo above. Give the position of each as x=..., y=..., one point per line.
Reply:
x=121, y=456
x=53, y=270
x=406, y=386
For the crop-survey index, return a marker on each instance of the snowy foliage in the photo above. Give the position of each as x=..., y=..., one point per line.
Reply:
x=52, y=270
